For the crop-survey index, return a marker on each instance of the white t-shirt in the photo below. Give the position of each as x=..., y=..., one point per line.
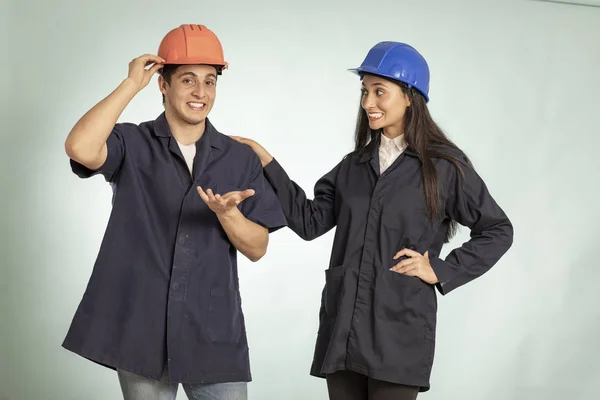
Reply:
x=189, y=152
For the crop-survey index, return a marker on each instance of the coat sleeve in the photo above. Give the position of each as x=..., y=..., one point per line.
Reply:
x=309, y=219
x=263, y=208
x=469, y=203
x=115, y=145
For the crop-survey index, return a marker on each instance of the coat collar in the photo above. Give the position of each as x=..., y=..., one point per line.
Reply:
x=161, y=129
x=371, y=151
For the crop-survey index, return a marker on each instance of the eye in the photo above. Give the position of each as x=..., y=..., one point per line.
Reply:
x=363, y=92
x=188, y=81
x=210, y=83
x=379, y=92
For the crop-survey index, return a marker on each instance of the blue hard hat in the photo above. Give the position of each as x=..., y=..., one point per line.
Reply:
x=397, y=61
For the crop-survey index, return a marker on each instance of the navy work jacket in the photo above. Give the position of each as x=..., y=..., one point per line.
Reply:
x=164, y=289
x=375, y=321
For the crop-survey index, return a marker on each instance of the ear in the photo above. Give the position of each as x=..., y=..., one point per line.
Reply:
x=407, y=99
x=162, y=85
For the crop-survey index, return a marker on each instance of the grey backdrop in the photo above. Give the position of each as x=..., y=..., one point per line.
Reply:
x=515, y=83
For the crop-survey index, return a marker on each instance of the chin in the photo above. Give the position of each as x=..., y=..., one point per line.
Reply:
x=375, y=125
x=194, y=119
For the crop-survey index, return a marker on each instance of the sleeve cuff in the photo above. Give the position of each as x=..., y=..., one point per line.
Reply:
x=81, y=170
x=444, y=272
x=271, y=224
x=275, y=173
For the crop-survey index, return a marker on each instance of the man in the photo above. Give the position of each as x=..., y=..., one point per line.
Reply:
x=162, y=306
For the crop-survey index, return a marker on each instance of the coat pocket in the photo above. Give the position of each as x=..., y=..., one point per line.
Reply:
x=399, y=298
x=334, y=279
x=224, y=316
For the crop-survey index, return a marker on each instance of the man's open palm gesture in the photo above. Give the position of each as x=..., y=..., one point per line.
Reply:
x=222, y=205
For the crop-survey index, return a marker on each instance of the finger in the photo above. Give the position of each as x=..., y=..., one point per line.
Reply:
x=202, y=194
x=150, y=58
x=399, y=254
x=155, y=68
x=227, y=196
x=405, y=252
x=426, y=255
x=406, y=270
x=408, y=252
x=233, y=201
x=407, y=261
x=146, y=63
x=152, y=65
x=403, y=264
x=409, y=267
x=242, y=194
x=409, y=270
x=242, y=140
x=233, y=193
x=247, y=193
x=229, y=203
x=211, y=195
x=412, y=272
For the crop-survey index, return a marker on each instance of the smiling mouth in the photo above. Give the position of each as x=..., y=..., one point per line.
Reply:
x=196, y=106
x=375, y=116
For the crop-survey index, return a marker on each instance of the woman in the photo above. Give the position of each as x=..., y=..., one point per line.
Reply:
x=394, y=201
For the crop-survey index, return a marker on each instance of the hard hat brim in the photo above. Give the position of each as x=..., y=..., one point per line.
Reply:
x=372, y=71
x=196, y=61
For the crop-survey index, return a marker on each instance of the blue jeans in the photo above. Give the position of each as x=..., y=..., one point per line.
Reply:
x=135, y=387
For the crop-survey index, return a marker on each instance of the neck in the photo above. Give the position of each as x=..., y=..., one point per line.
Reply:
x=183, y=132
x=393, y=131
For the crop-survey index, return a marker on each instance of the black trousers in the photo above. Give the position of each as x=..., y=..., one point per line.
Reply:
x=347, y=385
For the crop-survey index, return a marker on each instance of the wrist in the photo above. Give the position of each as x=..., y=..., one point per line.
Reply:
x=130, y=86
x=267, y=160
x=230, y=214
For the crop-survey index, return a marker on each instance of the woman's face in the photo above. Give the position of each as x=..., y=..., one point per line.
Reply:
x=385, y=104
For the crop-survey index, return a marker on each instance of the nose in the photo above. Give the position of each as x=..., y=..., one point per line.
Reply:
x=199, y=91
x=367, y=102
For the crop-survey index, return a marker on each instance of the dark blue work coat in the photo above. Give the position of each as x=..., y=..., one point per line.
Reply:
x=164, y=289
x=375, y=321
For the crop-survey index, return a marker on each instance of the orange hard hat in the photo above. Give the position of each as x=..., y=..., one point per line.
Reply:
x=192, y=44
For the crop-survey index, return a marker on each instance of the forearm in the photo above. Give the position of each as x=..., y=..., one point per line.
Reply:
x=248, y=238
x=86, y=142
x=308, y=218
x=474, y=258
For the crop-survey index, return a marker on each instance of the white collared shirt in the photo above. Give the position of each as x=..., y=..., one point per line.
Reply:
x=390, y=150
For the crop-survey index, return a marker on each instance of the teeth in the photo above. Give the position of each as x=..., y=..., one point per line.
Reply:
x=196, y=105
x=375, y=115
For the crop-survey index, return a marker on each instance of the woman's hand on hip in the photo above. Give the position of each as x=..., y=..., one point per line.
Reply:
x=416, y=264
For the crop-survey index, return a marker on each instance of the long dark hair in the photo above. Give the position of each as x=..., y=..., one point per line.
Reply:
x=426, y=139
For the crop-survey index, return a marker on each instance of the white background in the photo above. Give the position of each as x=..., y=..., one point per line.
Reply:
x=515, y=83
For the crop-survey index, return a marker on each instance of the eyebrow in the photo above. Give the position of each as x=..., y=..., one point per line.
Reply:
x=189, y=73
x=375, y=84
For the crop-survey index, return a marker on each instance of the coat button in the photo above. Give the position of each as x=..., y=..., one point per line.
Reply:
x=175, y=286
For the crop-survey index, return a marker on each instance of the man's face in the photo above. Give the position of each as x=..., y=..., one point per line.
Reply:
x=191, y=94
